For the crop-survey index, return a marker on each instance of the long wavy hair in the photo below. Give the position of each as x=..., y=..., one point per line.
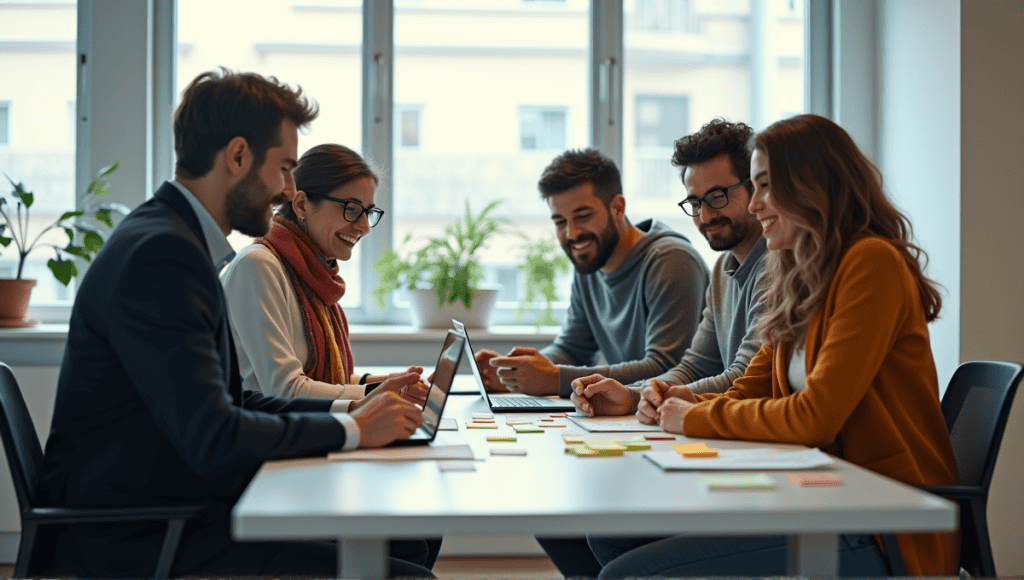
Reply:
x=834, y=195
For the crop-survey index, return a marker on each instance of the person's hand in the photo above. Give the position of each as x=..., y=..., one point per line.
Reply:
x=382, y=378
x=408, y=385
x=673, y=411
x=384, y=418
x=488, y=373
x=596, y=395
x=652, y=396
x=526, y=370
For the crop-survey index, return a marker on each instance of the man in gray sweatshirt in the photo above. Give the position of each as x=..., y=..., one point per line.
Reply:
x=715, y=167
x=637, y=294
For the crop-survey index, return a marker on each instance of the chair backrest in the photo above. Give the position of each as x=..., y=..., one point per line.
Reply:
x=976, y=405
x=24, y=453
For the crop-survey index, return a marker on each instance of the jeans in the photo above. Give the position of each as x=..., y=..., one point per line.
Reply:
x=678, y=556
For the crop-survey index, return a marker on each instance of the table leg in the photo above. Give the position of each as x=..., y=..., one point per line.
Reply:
x=813, y=555
x=366, y=559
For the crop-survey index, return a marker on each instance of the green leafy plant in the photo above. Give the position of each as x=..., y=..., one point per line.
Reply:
x=85, y=222
x=448, y=263
x=544, y=261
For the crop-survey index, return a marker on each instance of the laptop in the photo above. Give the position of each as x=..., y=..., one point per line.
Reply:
x=513, y=402
x=437, y=396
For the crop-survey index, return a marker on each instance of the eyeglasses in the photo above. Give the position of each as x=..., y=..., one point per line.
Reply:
x=353, y=211
x=716, y=199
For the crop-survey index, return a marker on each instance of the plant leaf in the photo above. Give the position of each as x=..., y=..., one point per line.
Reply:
x=109, y=169
x=92, y=242
x=69, y=214
x=78, y=251
x=63, y=270
x=26, y=198
x=5, y=241
x=103, y=215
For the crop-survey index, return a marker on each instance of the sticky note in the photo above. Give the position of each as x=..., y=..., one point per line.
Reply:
x=456, y=466
x=483, y=415
x=634, y=444
x=818, y=479
x=547, y=419
x=527, y=429
x=563, y=415
x=658, y=437
x=481, y=426
x=744, y=481
x=574, y=439
x=584, y=451
x=508, y=451
x=518, y=422
x=552, y=425
x=483, y=420
x=694, y=450
x=498, y=438
x=603, y=445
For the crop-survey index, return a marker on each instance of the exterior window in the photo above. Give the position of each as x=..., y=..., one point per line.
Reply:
x=542, y=128
x=660, y=120
x=408, y=123
x=665, y=16
x=5, y=124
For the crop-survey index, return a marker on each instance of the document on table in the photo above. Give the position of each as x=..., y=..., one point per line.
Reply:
x=413, y=453
x=626, y=423
x=767, y=459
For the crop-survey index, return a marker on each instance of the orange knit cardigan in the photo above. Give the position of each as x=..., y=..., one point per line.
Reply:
x=871, y=391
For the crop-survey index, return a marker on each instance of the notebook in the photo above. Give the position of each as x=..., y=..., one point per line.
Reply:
x=437, y=396
x=510, y=403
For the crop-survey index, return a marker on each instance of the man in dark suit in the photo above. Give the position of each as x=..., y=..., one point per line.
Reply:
x=150, y=409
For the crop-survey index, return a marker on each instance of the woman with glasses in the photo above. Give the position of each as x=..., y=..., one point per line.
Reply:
x=290, y=334
x=845, y=364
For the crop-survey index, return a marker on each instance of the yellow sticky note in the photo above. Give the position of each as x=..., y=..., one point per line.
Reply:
x=603, y=445
x=481, y=426
x=574, y=439
x=693, y=450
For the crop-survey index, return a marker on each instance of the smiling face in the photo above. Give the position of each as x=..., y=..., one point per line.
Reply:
x=778, y=227
x=325, y=220
x=585, y=227
x=730, y=227
x=249, y=203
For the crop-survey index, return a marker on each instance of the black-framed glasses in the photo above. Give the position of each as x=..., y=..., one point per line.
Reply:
x=716, y=199
x=353, y=211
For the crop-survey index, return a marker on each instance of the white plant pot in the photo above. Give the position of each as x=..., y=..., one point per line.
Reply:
x=426, y=314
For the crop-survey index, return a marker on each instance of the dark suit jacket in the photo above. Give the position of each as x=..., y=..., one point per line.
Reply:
x=150, y=408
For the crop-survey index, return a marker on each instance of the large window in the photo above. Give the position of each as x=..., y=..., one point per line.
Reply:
x=37, y=80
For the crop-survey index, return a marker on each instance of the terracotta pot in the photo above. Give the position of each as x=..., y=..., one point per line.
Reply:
x=14, y=295
x=426, y=314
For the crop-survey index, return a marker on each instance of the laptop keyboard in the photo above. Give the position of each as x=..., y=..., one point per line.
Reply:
x=516, y=402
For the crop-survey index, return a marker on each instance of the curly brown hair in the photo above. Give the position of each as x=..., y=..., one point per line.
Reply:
x=715, y=138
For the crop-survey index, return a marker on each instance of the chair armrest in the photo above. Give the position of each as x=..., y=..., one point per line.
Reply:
x=65, y=515
x=955, y=492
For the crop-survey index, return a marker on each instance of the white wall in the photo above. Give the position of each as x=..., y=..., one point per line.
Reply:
x=992, y=237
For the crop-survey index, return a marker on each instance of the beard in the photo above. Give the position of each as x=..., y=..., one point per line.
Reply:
x=247, y=205
x=606, y=241
x=734, y=233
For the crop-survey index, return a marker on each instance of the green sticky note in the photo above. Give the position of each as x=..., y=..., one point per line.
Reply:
x=527, y=429
x=744, y=481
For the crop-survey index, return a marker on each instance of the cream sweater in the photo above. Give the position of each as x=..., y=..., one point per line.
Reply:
x=267, y=327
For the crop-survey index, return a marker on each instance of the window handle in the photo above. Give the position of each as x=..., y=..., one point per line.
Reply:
x=378, y=86
x=608, y=85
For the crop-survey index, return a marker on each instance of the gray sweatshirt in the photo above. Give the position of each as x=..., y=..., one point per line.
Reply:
x=727, y=337
x=641, y=317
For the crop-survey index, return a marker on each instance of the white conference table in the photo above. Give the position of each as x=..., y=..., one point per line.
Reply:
x=551, y=493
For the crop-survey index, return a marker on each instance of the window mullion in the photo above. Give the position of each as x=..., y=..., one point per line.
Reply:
x=605, y=77
x=377, y=101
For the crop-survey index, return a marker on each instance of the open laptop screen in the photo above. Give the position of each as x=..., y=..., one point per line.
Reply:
x=444, y=374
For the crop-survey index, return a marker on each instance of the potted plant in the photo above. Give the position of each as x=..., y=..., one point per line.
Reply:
x=543, y=263
x=443, y=277
x=83, y=227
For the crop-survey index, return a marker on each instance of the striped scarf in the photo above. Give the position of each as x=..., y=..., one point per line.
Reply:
x=319, y=288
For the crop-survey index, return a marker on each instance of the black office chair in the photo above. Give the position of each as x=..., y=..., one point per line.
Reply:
x=975, y=407
x=24, y=455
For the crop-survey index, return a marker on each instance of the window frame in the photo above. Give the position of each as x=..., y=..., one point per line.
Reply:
x=99, y=29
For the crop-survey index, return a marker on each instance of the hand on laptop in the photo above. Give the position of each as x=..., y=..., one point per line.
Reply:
x=488, y=373
x=409, y=385
x=382, y=378
x=385, y=417
x=596, y=395
x=527, y=371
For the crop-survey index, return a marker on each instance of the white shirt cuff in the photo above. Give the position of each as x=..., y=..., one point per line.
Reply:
x=341, y=405
x=351, y=429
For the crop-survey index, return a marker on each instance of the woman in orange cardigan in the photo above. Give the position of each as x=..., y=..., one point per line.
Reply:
x=846, y=364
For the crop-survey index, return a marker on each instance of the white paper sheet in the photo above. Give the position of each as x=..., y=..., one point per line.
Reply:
x=623, y=424
x=447, y=424
x=412, y=453
x=767, y=459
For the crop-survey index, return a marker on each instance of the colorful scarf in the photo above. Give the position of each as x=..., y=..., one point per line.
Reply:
x=319, y=288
